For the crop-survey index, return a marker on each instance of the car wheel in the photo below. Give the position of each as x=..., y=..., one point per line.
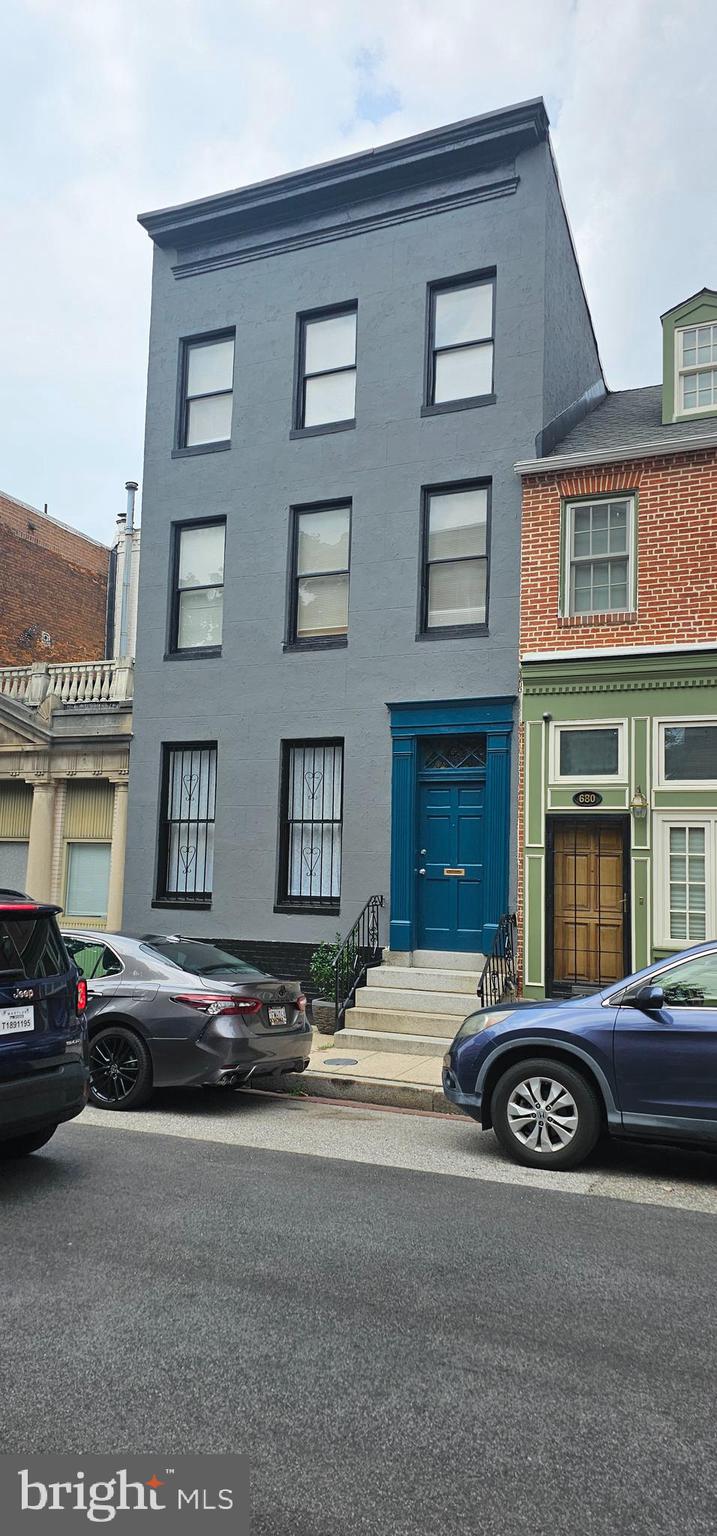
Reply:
x=120, y=1069
x=545, y=1114
x=22, y=1146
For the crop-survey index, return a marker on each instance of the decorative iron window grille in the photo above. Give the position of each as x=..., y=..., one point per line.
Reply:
x=455, y=752
x=189, y=785
x=312, y=816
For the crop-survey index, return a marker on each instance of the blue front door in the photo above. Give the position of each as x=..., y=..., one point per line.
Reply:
x=450, y=864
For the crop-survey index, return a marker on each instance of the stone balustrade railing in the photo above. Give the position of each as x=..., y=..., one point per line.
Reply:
x=68, y=683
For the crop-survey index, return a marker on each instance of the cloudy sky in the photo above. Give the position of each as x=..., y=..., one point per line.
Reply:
x=111, y=107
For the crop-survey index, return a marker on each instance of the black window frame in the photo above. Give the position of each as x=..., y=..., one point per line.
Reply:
x=431, y=407
x=306, y=317
x=192, y=901
x=181, y=449
x=292, y=640
x=318, y=905
x=173, y=652
x=451, y=631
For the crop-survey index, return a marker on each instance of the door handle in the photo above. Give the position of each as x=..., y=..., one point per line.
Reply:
x=421, y=871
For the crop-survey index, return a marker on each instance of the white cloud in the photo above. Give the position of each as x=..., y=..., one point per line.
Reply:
x=115, y=106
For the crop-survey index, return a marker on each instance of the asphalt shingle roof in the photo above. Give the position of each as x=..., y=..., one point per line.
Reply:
x=627, y=418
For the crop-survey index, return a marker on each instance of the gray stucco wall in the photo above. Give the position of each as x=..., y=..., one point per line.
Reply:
x=254, y=695
x=571, y=360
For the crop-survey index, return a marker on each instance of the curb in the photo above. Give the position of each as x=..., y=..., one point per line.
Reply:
x=364, y=1090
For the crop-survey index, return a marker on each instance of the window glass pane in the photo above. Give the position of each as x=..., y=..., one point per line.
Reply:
x=209, y=421
x=88, y=874
x=210, y=367
x=689, y=347
x=323, y=606
x=13, y=865
x=691, y=752
x=323, y=540
x=588, y=752
x=201, y=556
x=457, y=524
x=463, y=314
x=330, y=343
x=456, y=593
x=200, y=617
x=462, y=374
x=190, y=858
x=690, y=985
x=330, y=397
x=689, y=391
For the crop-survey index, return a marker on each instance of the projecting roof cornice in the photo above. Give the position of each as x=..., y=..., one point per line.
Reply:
x=425, y=158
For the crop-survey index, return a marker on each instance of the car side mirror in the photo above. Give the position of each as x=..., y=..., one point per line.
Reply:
x=649, y=999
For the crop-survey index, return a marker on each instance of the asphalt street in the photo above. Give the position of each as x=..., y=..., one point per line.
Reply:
x=399, y=1351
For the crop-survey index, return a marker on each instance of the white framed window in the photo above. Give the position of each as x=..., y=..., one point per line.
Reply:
x=686, y=752
x=583, y=751
x=88, y=879
x=599, y=544
x=685, y=879
x=696, y=368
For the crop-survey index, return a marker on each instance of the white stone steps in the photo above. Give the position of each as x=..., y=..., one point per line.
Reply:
x=414, y=979
x=397, y=1021
x=402, y=1044
x=409, y=1001
x=436, y=960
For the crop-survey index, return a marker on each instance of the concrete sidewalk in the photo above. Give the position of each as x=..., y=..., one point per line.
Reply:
x=337, y=1071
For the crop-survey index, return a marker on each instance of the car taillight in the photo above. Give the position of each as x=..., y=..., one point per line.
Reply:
x=81, y=996
x=300, y=1002
x=214, y=1003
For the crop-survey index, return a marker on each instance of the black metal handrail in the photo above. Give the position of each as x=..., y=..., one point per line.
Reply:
x=360, y=949
x=499, y=978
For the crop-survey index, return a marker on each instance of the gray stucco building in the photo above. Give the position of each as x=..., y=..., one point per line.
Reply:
x=345, y=364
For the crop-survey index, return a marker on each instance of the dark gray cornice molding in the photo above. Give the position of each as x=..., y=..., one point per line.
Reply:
x=458, y=149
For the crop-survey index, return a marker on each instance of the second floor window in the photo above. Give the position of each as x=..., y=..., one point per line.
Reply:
x=599, y=541
x=454, y=589
x=697, y=368
x=186, y=844
x=198, y=596
x=460, y=342
x=206, y=391
x=320, y=576
x=326, y=393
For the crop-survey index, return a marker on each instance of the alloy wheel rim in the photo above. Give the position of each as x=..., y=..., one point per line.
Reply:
x=114, y=1068
x=542, y=1115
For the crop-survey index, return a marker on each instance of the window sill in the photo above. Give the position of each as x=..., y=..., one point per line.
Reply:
x=190, y=453
x=473, y=403
x=198, y=653
x=166, y=903
x=330, y=643
x=319, y=431
x=309, y=909
x=588, y=620
x=452, y=632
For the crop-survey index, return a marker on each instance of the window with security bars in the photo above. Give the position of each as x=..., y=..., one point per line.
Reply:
x=687, y=874
x=311, y=824
x=189, y=786
x=697, y=368
x=599, y=549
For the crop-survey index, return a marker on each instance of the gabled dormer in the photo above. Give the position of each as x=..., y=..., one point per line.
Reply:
x=689, y=352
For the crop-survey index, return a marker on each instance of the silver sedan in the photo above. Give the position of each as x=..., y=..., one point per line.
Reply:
x=167, y=1011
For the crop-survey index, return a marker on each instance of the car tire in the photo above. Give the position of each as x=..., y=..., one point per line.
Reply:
x=22, y=1146
x=545, y=1114
x=130, y=1085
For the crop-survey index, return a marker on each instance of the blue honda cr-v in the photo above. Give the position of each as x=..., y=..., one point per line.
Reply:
x=43, y=1036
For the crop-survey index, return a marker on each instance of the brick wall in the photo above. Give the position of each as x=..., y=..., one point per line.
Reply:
x=676, y=554
x=52, y=580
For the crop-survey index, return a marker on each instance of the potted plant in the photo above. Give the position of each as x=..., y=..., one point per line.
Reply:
x=321, y=971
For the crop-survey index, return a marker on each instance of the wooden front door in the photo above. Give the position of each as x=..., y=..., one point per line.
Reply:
x=589, y=900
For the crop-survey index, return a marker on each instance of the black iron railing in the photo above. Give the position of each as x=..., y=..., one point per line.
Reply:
x=360, y=949
x=499, y=979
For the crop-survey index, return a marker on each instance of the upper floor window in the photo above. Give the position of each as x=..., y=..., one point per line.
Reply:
x=584, y=752
x=460, y=342
x=198, y=587
x=207, y=376
x=454, y=586
x=688, y=752
x=599, y=556
x=320, y=574
x=697, y=368
x=326, y=386
x=186, y=843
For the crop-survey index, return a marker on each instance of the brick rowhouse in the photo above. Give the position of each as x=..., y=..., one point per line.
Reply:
x=53, y=589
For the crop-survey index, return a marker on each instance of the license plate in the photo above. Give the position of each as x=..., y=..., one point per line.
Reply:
x=277, y=1016
x=17, y=1021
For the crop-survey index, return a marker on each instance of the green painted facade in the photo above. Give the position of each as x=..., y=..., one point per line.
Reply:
x=701, y=309
x=641, y=695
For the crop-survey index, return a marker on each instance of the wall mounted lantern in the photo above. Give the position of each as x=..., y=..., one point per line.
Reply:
x=638, y=805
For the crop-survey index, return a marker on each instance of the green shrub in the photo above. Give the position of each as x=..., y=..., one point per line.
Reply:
x=321, y=968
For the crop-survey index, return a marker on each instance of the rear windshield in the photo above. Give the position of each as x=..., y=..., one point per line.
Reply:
x=201, y=959
x=30, y=948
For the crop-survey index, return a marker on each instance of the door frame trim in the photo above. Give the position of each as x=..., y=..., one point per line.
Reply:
x=621, y=820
